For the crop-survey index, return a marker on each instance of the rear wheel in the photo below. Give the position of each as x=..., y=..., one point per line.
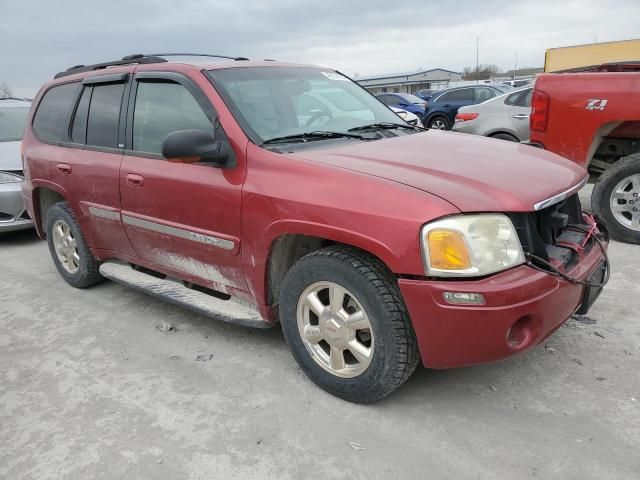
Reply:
x=616, y=199
x=344, y=319
x=505, y=136
x=69, y=252
x=438, y=123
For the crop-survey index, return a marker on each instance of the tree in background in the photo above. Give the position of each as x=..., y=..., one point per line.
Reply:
x=484, y=71
x=5, y=90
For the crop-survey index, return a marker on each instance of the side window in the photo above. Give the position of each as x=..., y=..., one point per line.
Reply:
x=482, y=94
x=445, y=97
x=79, y=128
x=525, y=99
x=51, y=121
x=104, y=115
x=513, y=98
x=162, y=108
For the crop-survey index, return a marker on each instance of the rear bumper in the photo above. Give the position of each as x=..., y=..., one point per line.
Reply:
x=12, y=211
x=523, y=307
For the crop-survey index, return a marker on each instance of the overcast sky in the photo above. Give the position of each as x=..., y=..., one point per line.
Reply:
x=40, y=37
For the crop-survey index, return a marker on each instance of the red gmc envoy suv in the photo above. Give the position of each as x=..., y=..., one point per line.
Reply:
x=259, y=192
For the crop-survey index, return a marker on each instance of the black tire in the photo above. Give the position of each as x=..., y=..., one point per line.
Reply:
x=395, y=354
x=438, y=118
x=505, y=136
x=601, y=198
x=88, y=273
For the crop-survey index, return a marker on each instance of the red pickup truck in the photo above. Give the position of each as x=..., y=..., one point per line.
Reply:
x=593, y=119
x=259, y=192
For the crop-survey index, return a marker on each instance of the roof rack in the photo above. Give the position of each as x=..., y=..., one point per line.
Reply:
x=139, y=58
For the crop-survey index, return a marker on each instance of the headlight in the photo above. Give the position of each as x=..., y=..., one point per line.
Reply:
x=470, y=245
x=10, y=178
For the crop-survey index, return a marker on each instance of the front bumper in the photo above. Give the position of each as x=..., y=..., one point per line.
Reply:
x=13, y=215
x=523, y=307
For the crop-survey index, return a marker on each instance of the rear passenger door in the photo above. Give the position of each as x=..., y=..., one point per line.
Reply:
x=87, y=165
x=182, y=218
x=519, y=113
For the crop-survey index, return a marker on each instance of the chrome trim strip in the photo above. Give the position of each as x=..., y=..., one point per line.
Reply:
x=179, y=232
x=561, y=196
x=103, y=213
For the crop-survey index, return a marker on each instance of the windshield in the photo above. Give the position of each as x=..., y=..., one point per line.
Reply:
x=12, y=122
x=274, y=102
x=407, y=97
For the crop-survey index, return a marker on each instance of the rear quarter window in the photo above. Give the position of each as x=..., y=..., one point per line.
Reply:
x=51, y=122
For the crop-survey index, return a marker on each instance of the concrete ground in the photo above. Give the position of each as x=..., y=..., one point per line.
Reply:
x=89, y=388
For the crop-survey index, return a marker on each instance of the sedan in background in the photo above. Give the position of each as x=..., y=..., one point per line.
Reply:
x=425, y=93
x=443, y=106
x=405, y=101
x=13, y=117
x=505, y=117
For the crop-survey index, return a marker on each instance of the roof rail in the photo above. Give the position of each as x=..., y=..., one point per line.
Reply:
x=139, y=58
x=128, y=60
x=212, y=55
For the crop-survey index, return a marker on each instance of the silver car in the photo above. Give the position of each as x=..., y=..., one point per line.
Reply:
x=13, y=116
x=505, y=117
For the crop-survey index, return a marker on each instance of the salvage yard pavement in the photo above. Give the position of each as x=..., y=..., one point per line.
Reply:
x=91, y=386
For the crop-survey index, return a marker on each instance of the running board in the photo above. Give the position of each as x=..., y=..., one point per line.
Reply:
x=173, y=291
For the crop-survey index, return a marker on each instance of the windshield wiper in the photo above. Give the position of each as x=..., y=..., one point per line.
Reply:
x=383, y=126
x=310, y=136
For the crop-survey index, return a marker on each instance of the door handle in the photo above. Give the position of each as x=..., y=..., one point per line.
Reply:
x=134, y=180
x=63, y=168
x=522, y=116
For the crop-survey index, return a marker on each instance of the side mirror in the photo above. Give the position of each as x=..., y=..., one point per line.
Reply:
x=193, y=146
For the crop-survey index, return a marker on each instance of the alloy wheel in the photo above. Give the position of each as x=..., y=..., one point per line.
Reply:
x=625, y=202
x=335, y=329
x=65, y=246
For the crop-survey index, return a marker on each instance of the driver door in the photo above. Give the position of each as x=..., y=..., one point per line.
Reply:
x=182, y=217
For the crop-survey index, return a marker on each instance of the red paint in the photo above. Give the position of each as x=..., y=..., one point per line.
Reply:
x=574, y=131
x=372, y=195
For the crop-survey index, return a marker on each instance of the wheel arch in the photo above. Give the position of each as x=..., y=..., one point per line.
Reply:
x=503, y=131
x=45, y=194
x=620, y=129
x=296, y=241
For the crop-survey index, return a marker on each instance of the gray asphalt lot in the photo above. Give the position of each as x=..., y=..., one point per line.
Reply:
x=89, y=388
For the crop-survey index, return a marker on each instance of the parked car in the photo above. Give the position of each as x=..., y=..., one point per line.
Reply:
x=425, y=93
x=505, y=117
x=443, y=106
x=593, y=119
x=373, y=243
x=13, y=117
x=405, y=101
x=410, y=118
x=518, y=83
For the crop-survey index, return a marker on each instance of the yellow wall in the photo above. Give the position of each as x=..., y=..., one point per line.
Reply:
x=564, y=58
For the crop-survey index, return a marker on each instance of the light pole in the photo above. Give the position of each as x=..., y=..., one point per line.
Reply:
x=515, y=68
x=477, y=63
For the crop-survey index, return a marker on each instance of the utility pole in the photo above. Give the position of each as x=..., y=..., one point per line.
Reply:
x=515, y=68
x=477, y=63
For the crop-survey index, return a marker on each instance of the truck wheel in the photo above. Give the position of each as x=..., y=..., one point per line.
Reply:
x=346, y=323
x=438, y=123
x=70, y=253
x=616, y=199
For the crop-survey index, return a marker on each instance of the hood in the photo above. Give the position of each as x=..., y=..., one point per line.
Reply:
x=10, y=156
x=475, y=174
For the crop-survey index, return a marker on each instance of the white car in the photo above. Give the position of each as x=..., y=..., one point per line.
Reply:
x=410, y=118
x=505, y=117
x=13, y=117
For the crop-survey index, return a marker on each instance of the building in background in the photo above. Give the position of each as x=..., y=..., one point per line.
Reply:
x=580, y=57
x=411, y=82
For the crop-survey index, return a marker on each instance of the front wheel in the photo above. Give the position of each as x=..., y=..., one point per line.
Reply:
x=616, y=199
x=345, y=321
